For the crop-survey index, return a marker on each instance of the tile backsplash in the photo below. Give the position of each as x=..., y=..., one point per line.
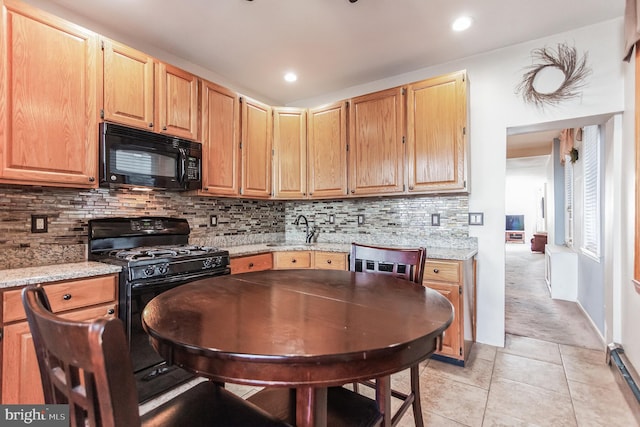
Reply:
x=400, y=220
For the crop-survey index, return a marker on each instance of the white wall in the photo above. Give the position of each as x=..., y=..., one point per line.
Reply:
x=523, y=191
x=494, y=107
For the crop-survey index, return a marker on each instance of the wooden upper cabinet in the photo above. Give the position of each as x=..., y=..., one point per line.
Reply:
x=48, y=99
x=327, y=151
x=176, y=102
x=290, y=153
x=436, y=127
x=220, y=140
x=255, y=144
x=127, y=86
x=376, y=149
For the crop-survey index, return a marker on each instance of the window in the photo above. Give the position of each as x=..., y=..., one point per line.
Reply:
x=591, y=193
x=568, y=201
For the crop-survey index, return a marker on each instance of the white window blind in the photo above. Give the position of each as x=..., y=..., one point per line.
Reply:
x=568, y=201
x=591, y=220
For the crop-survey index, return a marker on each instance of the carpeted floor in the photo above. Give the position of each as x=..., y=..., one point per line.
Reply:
x=529, y=309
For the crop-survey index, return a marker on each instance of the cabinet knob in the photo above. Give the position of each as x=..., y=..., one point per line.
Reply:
x=293, y=261
x=353, y=191
x=311, y=194
x=328, y=261
x=111, y=311
x=411, y=187
x=164, y=128
x=250, y=265
x=66, y=297
x=206, y=189
x=92, y=179
x=151, y=124
x=435, y=270
x=304, y=194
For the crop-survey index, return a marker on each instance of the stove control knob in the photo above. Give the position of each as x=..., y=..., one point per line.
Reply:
x=207, y=263
x=163, y=269
x=149, y=271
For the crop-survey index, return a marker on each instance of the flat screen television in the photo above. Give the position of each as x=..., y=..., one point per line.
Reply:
x=515, y=223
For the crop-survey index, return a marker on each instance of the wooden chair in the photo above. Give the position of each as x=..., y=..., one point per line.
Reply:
x=407, y=264
x=87, y=366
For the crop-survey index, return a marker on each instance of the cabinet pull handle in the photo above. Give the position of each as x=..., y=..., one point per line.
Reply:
x=111, y=311
x=66, y=297
x=250, y=265
x=435, y=270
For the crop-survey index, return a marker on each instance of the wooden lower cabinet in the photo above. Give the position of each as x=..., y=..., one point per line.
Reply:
x=248, y=263
x=291, y=259
x=330, y=260
x=455, y=280
x=20, y=372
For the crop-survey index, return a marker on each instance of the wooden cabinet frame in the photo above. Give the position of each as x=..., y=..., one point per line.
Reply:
x=636, y=267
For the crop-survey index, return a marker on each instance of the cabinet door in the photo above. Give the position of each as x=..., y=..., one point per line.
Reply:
x=21, y=382
x=176, y=102
x=436, y=128
x=220, y=135
x=451, y=338
x=329, y=261
x=257, y=262
x=48, y=89
x=256, y=149
x=291, y=259
x=327, y=151
x=128, y=85
x=290, y=153
x=376, y=150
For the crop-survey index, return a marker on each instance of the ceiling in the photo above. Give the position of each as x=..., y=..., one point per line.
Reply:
x=331, y=44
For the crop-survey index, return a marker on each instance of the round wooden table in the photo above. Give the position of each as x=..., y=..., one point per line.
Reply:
x=308, y=329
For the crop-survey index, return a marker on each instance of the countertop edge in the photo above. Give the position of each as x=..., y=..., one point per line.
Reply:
x=54, y=273
x=458, y=254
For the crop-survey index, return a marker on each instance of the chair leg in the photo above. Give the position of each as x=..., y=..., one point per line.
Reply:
x=415, y=388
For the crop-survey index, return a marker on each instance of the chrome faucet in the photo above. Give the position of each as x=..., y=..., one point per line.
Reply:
x=309, y=232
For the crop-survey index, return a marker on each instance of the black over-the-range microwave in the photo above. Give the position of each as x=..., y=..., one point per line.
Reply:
x=138, y=158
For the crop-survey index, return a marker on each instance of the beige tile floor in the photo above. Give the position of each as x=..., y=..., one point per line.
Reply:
x=529, y=382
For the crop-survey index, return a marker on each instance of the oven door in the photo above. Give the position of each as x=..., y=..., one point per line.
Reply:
x=153, y=375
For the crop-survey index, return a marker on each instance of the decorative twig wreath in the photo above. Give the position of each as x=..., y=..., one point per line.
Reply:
x=566, y=60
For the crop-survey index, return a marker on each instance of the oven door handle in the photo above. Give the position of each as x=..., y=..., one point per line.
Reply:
x=175, y=280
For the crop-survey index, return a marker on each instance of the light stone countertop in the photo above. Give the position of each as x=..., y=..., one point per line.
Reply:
x=459, y=254
x=54, y=273
x=59, y=272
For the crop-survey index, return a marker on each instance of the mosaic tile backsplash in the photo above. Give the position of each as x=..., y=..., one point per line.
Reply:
x=239, y=221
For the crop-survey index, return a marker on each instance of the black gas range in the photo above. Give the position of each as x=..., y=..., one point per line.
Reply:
x=155, y=256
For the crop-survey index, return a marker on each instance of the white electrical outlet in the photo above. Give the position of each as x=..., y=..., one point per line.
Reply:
x=360, y=219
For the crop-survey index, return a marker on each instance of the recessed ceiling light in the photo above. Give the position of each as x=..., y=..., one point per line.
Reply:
x=462, y=23
x=290, y=77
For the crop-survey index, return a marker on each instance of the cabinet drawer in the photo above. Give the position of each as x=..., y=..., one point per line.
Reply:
x=251, y=263
x=292, y=259
x=442, y=271
x=330, y=260
x=64, y=296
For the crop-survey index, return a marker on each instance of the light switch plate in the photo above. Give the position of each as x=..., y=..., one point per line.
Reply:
x=476, y=218
x=332, y=219
x=213, y=220
x=360, y=219
x=39, y=223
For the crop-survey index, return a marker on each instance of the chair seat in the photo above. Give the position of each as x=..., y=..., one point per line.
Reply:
x=344, y=407
x=205, y=405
